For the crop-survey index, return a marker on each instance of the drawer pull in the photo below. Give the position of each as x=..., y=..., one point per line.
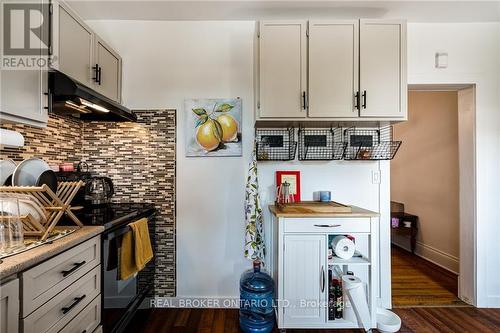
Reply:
x=74, y=268
x=327, y=225
x=76, y=301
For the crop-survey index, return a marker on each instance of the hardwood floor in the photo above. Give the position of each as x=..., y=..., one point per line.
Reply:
x=417, y=320
x=417, y=282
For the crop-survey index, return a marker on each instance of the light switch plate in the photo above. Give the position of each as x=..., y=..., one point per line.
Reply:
x=376, y=177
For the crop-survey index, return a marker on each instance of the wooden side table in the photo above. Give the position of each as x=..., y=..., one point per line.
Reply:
x=413, y=219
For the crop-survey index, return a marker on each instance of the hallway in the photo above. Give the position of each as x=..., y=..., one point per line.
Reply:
x=417, y=282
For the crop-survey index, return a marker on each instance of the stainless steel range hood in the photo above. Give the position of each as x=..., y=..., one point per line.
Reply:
x=69, y=96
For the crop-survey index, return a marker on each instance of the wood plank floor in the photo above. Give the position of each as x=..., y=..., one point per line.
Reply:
x=417, y=320
x=418, y=282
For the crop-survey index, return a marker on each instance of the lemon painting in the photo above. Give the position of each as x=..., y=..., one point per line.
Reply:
x=213, y=127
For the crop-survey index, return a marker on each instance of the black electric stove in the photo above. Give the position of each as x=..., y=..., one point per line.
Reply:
x=112, y=215
x=115, y=218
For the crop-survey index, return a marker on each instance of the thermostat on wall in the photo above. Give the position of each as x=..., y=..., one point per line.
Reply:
x=441, y=59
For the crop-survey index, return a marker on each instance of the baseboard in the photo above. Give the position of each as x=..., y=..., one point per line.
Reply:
x=429, y=253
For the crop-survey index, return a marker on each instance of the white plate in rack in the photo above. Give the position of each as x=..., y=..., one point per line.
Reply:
x=7, y=168
x=28, y=171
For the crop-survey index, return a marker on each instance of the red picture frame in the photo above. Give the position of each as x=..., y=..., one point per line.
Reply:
x=293, y=177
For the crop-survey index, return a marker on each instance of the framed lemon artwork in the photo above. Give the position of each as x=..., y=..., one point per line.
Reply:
x=213, y=127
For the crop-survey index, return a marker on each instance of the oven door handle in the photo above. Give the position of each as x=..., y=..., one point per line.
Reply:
x=118, y=232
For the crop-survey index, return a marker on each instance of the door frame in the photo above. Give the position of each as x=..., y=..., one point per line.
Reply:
x=467, y=282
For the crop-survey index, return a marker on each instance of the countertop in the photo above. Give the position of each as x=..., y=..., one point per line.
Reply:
x=356, y=212
x=22, y=261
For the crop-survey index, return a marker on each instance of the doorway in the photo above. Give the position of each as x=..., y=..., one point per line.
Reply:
x=432, y=199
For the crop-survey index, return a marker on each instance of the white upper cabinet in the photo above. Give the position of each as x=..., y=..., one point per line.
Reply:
x=73, y=46
x=305, y=275
x=356, y=70
x=282, y=69
x=383, y=69
x=83, y=55
x=333, y=69
x=109, y=70
x=23, y=92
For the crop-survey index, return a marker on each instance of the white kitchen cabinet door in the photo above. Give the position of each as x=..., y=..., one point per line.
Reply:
x=23, y=92
x=333, y=69
x=383, y=84
x=73, y=45
x=110, y=68
x=282, y=69
x=305, y=277
x=9, y=307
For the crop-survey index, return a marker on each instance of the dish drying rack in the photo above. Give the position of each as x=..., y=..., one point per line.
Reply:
x=55, y=206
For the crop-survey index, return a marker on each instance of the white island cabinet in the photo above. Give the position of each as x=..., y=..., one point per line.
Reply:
x=299, y=264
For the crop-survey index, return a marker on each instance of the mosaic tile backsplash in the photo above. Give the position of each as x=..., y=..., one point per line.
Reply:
x=139, y=157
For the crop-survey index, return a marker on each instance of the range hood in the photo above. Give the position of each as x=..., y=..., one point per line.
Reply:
x=69, y=96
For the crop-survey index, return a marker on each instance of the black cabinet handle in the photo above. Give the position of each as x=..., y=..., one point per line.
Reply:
x=99, y=75
x=356, y=100
x=76, y=301
x=74, y=268
x=96, y=73
x=304, y=102
x=364, y=99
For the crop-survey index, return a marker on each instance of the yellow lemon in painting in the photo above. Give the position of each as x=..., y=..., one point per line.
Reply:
x=207, y=135
x=229, y=127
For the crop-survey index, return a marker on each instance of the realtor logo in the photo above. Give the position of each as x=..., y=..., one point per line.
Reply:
x=26, y=35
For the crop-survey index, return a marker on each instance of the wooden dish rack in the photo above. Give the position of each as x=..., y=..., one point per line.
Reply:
x=55, y=206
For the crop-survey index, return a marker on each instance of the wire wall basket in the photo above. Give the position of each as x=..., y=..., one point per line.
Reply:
x=275, y=144
x=370, y=144
x=321, y=144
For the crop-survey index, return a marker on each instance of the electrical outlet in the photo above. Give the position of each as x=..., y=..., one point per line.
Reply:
x=376, y=177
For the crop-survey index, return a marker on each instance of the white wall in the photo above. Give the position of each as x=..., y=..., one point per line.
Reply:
x=474, y=57
x=166, y=62
x=425, y=175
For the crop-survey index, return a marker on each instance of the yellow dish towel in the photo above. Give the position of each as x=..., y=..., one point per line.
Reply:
x=136, y=250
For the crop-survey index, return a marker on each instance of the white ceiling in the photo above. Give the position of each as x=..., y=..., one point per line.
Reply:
x=413, y=11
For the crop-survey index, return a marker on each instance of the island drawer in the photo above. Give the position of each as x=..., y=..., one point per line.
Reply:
x=62, y=308
x=327, y=225
x=42, y=282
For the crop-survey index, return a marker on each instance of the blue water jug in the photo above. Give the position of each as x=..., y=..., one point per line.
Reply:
x=256, y=301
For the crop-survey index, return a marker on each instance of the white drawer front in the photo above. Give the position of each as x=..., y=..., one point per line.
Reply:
x=327, y=225
x=41, y=283
x=57, y=312
x=87, y=320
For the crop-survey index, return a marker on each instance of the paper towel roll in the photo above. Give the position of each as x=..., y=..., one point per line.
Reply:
x=356, y=292
x=10, y=138
x=343, y=247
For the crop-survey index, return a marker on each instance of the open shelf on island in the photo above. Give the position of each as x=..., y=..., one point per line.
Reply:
x=342, y=323
x=353, y=261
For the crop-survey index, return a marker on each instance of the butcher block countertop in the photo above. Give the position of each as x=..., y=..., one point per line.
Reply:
x=24, y=260
x=306, y=210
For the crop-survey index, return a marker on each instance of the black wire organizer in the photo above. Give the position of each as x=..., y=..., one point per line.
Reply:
x=324, y=144
x=275, y=144
x=370, y=144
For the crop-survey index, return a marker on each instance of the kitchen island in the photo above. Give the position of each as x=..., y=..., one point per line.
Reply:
x=305, y=269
